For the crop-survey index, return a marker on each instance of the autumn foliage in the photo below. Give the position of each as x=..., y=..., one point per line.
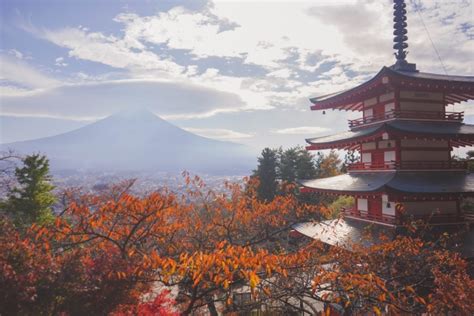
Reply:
x=165, y=254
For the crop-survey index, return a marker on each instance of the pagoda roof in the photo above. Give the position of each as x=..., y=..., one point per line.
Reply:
x=344, y=232
x=456, y=88
x=460, y=134
x=409, y=182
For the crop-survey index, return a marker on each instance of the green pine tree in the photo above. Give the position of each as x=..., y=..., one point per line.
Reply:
x=305, y=166
x=267, y=173
x=32, y=200
x=288, y=165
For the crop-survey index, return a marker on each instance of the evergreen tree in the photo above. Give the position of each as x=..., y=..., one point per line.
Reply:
x=267, y=173
x=288, y=165
x=32, y=200
x=305, y=165
x=296, y=163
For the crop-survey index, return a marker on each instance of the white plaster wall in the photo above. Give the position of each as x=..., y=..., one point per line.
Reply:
x=368, y=112
x=370, y=102
x=368, y=146
x=384, y=143
x=366, y=157
x=387, y=96
x=387, y=210
x=389, y=156
x=362, y=205
x=389, y=107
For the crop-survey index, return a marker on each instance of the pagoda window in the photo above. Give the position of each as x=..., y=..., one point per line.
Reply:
x=388, y=207
x=390, y=143
x=368, y=113
x=389, y=107
x=368, y=146
x=366, y=157
x=387, y=97
x=362, y=205
x=389, y=156
x=370, y=102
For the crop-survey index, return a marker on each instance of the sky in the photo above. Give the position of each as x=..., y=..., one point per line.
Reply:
x=232, y=70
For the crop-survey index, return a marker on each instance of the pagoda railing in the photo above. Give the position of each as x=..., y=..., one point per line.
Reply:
x=371, y=166
x=411, y=165
x=453, y=164
x=381, y=218
x=406, y=114
x=434, y=218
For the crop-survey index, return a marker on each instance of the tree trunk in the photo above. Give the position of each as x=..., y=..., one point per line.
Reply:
x=211, y=306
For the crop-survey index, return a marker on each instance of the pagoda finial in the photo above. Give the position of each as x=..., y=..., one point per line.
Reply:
x=400, y=36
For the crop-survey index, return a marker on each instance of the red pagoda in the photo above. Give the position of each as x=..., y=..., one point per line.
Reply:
x=405, y=137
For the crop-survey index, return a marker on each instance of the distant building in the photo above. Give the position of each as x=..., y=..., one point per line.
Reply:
x=405, y=137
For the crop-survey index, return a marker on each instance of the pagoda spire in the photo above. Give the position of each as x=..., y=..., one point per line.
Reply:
x=400, y=36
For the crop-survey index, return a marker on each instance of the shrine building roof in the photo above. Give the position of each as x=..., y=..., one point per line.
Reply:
x=459, y=134
x=409, y=182
x=455, y=88
x=347, y=232
x=344, y=232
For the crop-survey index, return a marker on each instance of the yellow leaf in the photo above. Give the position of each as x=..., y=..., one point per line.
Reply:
x=254, y=279
x=377, y=311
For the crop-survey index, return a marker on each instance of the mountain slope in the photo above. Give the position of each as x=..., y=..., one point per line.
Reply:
x=12, y=128
x=139, y=140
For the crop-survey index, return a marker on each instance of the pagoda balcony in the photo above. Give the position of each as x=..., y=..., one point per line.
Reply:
x=434, y=218
x=409, y=165
x=414, y=115
x=417, y=165
x=382, y=218
x=366, y=166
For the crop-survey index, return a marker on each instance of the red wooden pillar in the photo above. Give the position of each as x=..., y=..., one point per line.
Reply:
x=375, y=206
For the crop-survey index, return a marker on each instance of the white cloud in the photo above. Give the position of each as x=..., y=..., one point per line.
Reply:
x=60, y=62
x=218, y=133
x=22, y=74
x=99, y=99
x=301, y=130
x=109, y=50
x=16, y=53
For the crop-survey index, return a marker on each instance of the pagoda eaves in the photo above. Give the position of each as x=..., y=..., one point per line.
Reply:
x=458, y=135
x=455, y=89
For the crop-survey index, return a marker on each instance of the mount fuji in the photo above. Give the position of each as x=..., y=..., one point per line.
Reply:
x=139, y=141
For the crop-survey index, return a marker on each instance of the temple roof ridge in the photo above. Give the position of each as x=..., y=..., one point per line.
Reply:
x=352, y=99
